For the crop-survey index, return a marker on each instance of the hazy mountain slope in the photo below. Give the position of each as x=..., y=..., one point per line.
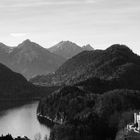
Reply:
x=4, y=53
x=87, y=47
x=68, y=49
x=30, y=59
x=4, y=48
x=116, y=62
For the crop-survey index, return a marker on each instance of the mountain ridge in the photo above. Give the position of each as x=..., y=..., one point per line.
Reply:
x=68, y=49
x=30, y=59
x=117, y=61
x=87, y=47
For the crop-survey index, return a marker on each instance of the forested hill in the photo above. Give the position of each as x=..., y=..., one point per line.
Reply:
x=87, y=116
x=102, y=94
x=13, y=85
x=11, y=82
x=116, y=62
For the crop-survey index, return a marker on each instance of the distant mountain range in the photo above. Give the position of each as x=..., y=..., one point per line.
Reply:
x=68, y=49
x=31, y=59
x=116, y=62
x=87, y=47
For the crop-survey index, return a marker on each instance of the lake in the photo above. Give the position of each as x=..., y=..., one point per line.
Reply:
x=22, y=121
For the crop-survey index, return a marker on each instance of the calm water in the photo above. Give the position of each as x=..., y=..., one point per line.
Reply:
x=22, y=121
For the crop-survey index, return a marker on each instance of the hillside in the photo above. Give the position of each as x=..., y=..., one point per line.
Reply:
x=4, y=53
x=86, y=115
x=116, y=62
x=13, y=84
x=100, y=91
x=68, y=49
x=30, y=59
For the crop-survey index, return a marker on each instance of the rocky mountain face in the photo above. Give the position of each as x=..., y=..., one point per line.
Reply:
x=68, y=49
x=116, y=62
x=29, y=59
x=87, y=47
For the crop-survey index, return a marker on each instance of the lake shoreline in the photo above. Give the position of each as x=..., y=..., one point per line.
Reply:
x=22, y=119
x=6, y=104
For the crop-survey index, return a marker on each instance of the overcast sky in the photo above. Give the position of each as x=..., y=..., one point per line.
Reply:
x=98, y=22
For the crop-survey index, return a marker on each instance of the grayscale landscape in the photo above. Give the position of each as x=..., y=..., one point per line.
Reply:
x=69, y=70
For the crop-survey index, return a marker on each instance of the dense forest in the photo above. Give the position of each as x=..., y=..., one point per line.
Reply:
x=98, y=103
x=9, y=137
x=86, y=115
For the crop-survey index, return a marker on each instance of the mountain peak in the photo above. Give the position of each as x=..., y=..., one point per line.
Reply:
x=66, y=44
x=119, y=48
x=5, y=48
x=87, y=47
x=28, y=44
x=67, y=49
x=27, y=41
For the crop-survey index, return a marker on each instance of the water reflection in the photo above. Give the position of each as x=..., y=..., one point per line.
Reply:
x=22, y=121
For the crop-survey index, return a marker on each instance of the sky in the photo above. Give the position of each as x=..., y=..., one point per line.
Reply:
x=100, y=23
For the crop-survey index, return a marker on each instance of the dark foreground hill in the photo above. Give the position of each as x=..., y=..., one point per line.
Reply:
x=29, y=59
x=102, y=94
x=117, y=62
x=83, y=115
x=14, y=86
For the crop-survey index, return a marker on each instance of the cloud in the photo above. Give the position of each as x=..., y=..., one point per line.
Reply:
x=90, y=1
x=36, y=3
x=18, y=34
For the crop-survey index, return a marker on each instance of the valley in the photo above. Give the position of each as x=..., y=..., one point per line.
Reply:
x=93, y=95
